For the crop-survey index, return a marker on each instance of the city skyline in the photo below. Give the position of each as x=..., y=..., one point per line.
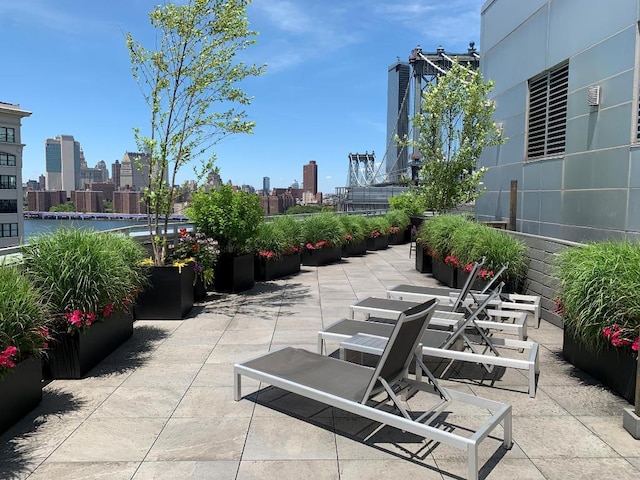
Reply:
x=324, y=94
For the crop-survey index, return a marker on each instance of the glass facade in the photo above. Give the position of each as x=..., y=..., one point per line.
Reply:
x=397, y=120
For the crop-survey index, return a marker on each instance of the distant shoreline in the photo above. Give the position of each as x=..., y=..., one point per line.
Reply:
x=94, y=216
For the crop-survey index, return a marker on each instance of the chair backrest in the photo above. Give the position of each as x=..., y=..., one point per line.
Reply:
x=467, y=285
x=401, y=346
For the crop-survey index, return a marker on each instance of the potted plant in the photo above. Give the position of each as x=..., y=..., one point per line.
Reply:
x=90, y=280
x=24, y=333
x=399, y=232
x=322, y=239
x=190, y=82
x=412, y=204
x=438, y=234
x=202, y=252
x=355, y=235
x=378, y=234
x=277, y=247
x=232, y=219
x=598, y=302
x=424, y=253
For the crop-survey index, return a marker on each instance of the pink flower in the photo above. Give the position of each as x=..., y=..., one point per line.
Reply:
x=394, y=230
x=634, y=347
x=467, y=268
x=309, y=246
x=6, y=359
x=606, y=332
x=107, y=310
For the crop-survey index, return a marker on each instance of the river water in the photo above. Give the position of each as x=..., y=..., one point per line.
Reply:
x=34, y=226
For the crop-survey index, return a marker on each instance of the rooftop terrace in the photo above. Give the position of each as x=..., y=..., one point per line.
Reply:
x=162, y=405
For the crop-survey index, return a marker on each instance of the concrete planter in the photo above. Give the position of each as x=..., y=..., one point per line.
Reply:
x=20, y=391
x=270, y=269
x=169, y=295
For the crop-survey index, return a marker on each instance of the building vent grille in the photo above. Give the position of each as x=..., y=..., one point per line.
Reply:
x=593, y=95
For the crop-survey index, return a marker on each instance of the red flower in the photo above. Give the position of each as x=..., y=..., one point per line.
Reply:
x=182, y=232
x=394, y=230
x=451, y=260
x=634, y=347
x=467, y=268
x=107, y=310
x=310, y=246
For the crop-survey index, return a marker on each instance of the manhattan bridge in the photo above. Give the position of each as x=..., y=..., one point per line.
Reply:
x=370, y=181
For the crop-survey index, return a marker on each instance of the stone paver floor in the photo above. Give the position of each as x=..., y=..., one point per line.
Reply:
x=161, y=406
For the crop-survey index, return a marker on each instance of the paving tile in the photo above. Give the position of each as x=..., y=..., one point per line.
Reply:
x=610, y=430
x=373, y=469
x=557, y=437
x=134, y=402
x=273, y=438
x=212, y=402
x=234, y=353
x=600, y=468
x=200, y=439
x=288, y=470
x=494, y=469
x=110, y=440
x=188, y=470
x=254, y=336
x=85, y=470
x=593, y=400
x=176, y=374
x=220, y=375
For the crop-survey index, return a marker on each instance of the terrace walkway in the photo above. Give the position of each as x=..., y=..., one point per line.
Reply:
x=161, y=407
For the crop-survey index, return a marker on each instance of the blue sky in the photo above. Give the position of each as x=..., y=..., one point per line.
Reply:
x=322, y=97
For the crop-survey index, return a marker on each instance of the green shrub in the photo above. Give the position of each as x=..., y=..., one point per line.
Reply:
x=378, y=226
x=437, y=233
x=280, y=237
x=399, y=219
x=84, y=274
x=598, y=293
x=24, y=319
x=499, y=248
x=410, y=202
x=322, y=230
x=355, y=228
x=229, y=217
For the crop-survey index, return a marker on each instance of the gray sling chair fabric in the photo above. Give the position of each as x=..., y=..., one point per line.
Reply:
x=450, y=345
x=351, y=387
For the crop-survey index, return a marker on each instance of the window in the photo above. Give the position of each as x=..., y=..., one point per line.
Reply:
x=8, y=206
x=7, y=134
x=8, y=230
x=7, y=159
x=8, y=182
x=547, y=124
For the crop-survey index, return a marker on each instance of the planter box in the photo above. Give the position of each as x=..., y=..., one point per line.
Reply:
x=20, y=391
x=234, y=273
x=444, y=273
x=423, y=260
x=169, y=295
x=322, y=256
x=399, y=238
x=378, y=243
x=614, y=367
x=354, y=249
x=199, y=290
x=71, y=356
x=270, y=269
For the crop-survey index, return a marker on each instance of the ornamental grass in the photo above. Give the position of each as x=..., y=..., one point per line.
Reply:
x=598, y=293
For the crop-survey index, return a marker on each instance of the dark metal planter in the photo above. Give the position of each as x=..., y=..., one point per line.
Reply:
x=423, y=260
x=169, y=295
x=270, y=269
x=444, y=273
x=354, y=249
x=234, y=273
x=72, y=355
x=615, y=367
x=398, y=238
x=321, y=256
x=378, y=243
x=20, y=391
x=199, y=290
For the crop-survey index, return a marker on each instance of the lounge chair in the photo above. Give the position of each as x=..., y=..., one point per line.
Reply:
x=357, y=388
x=496, y=318
x=453, y=297
x=443, y=344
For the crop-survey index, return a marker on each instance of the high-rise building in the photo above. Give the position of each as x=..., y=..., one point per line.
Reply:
x=115, y=174
x=42, y=182
x=63, y=157
x=310, y=177
x=89, y=175
x=11, y=210
x=266, y=185
x=397, y=120
x=134, y=171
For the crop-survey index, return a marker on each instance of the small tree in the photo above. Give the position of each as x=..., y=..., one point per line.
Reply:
x=454, y=126
x=190, y=83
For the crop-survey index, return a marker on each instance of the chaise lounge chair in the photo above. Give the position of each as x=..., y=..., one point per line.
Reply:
x=480, y=348
x=357, y=388
x=447, y=296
